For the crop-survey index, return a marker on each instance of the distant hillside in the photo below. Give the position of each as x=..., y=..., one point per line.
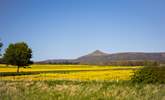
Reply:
x=101, y=58
x=130, y=56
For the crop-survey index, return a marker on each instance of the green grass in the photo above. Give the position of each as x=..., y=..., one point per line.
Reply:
x=80, y=90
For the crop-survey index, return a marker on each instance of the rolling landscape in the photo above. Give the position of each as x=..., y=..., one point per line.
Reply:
x=82, y=50
x=100, y=58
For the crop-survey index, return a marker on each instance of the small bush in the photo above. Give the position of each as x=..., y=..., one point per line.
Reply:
x=149, y=74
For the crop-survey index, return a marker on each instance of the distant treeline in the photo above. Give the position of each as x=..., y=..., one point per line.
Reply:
x=62, y=62
x=111, y=63
x=132, y=63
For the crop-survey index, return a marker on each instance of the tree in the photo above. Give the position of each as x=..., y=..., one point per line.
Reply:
x=0, y=46
x=18, y=54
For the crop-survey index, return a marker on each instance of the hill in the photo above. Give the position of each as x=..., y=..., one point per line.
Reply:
x=100, y=58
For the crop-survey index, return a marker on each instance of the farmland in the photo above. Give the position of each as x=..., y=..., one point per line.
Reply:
x=69, y=72
x=75, y=82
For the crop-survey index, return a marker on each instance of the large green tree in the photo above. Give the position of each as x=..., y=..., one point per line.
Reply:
x=18, y=54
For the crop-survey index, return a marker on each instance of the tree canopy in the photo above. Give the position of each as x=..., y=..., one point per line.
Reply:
x=18, y=54
x=0, y=46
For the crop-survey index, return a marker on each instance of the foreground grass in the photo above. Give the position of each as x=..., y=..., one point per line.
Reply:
x=80, y=90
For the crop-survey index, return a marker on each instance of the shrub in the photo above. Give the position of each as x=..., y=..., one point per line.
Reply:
x=149, y=74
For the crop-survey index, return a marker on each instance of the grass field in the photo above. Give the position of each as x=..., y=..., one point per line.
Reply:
x=75, y=82
x=79, y=90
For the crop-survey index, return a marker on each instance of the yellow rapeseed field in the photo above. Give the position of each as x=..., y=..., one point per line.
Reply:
x=75, y=72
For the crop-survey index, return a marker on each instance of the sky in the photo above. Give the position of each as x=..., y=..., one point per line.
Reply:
x=58, y=29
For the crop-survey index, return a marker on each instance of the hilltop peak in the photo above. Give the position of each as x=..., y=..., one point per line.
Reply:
x=97, y=53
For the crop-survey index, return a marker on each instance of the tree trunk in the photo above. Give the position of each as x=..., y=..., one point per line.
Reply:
x=18, y=69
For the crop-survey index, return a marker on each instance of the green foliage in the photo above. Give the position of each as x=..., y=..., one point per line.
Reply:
x=151, y=63
x=0, y=47
x=149, y=74
x=1, y=44
x=18, y=54
x=17, y=74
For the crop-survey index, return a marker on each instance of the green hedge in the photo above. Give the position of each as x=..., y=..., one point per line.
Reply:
x=149, y=74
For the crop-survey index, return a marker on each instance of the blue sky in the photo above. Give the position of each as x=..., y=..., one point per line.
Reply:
x=71, y=28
